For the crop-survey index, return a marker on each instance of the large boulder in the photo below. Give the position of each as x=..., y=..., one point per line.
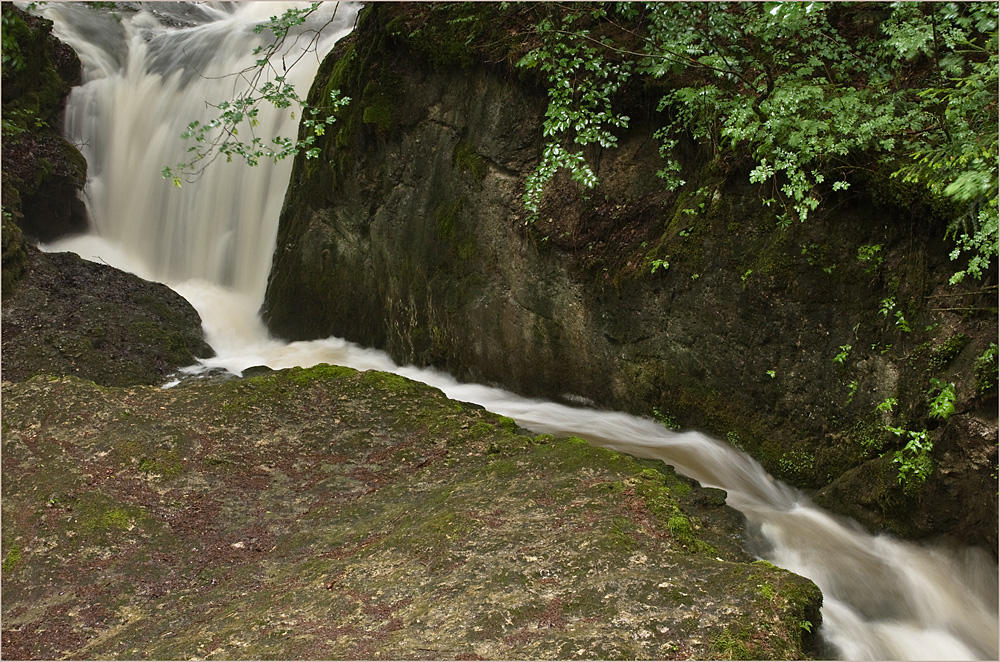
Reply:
x=408, y=234
x=332, y=514
x=63, y=315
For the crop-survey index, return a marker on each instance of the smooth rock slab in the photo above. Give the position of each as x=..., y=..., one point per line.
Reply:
x=329, y=514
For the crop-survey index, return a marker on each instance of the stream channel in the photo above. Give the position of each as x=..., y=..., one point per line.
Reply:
x=148, y=73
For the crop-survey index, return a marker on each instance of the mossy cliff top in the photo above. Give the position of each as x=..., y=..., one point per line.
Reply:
x=327, y=513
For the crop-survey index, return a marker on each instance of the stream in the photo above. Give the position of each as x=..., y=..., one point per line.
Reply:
x=151, y=72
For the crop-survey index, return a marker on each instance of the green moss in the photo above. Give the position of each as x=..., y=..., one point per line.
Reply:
x=380, y=113
x=11, y=558
x=167, y=465
x=869, y=434
x=504, y=467
x=986, y=369
x=388, y=380
x=445, y=218
x=174, y=343
x=621, y=536
x=370, y=526
x=796, y=463
x=99, y=515
x=945, y=352
x=379, y=107
x=321, y=371
x=465, y=158
x=466, y=249
x=732, y=645
x=680, y=529
x=481, y=428
x=15, y=255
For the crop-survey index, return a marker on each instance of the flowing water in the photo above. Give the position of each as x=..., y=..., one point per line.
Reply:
x=147, y=76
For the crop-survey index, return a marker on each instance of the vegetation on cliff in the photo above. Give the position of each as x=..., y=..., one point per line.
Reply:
x=41, y=172
x=815, y=94
x=811, y=92
x=703, y=302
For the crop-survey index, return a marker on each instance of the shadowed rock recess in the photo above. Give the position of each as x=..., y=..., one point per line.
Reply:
x=409, y=234
x=328, y=513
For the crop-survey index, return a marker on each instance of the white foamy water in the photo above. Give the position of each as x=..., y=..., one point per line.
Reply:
x=212, y=242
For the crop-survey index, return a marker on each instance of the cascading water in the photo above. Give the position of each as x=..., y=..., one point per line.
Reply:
x=212, y=241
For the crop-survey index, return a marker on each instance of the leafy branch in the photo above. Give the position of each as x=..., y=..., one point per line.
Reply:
x=813, y=92
x=261, y=82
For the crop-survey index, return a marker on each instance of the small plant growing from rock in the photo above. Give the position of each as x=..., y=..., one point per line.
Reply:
x=942, y=399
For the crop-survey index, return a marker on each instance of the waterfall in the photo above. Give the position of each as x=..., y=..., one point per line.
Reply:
x=150, y=74
x=143, y=82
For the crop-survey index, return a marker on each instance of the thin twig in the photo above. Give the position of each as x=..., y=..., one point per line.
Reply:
x=960, y=294
x=965, y=309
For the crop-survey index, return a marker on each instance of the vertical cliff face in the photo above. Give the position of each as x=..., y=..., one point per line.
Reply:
x=42, y=172
x=409, y=234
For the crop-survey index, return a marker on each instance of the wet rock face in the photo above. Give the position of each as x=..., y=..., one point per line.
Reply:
x=43, y=174
x=332, y=514
x=409, y=235
x=68, y=316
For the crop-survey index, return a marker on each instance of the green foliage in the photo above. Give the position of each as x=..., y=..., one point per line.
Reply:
x=986, y=369
x=662, y=263
x=887, y=305
x=812, y=92
x=665, y=419
x=852, y=388
x=941, y=399
x=221, y=135
x=796, y=463
x=887, y=405
x=579, y=113
x=841, y=356
x=914, y=461
x=10, y=50
x=871, y=255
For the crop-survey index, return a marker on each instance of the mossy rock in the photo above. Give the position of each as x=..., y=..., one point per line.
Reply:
x=15, y=256
x=326, y=513
x=66, y=316
x=42, y=172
